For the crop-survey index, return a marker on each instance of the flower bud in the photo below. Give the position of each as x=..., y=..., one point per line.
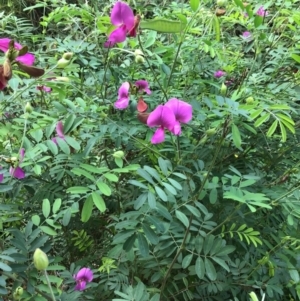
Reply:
x=250, y=100
x=62, y=63
x=62, y=79
x=210, y=132
x=40, y=260
x=67, y=56
x=139, y=56
x=223, y=89
x=19, y=291
x=118, y=154
x=138, y=52
x=253, y=296
x=139, y=59
x=28, y=107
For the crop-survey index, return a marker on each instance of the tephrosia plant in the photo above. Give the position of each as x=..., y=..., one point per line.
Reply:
x=154, y=153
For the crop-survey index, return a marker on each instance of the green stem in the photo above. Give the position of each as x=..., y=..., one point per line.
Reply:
x=49, y=285
x=152, y=70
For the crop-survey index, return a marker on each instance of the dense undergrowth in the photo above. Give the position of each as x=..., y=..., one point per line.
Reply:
x=195, y=201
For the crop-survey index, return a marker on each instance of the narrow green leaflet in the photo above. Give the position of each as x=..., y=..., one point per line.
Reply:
x=87, y=209
x=46, y=208
x=104, y=188
x=236, y=136
x=272, y=128
x=56, y=205
x=143, y=245
x=186, y=261
x=261, y=120
x=182, y=217
x=150, y=234
x=98, y=201
x=200, y=268
x=194, y=4
x=210, y=269
x=78, y=189
x=296, y=57
x=283, y=132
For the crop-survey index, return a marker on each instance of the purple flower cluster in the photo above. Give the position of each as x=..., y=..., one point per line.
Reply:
x=123, y=18
x=84, y=276
x=169, y=116
x=123, y=93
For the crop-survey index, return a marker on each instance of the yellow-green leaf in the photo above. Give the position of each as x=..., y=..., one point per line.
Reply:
x=236, y=136
x=272, y=128
x=261, y=120
x=283, y=132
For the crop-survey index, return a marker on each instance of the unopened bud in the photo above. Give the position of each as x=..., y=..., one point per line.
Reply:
x=223, y=89
x=28, y=107
x=118, y=154
x=138, y=52
x=139, y=59
x=40, y=260
x=139, y=56
x=62, y=79
x=250, y=100
x=67, y=56
x=19, y=291
x=62, y=63
x=210, y=132
x=253, y=296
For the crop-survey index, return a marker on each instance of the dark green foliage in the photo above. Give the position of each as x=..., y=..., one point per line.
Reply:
x=211, y=214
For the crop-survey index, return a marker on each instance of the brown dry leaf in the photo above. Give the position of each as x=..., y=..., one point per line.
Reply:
x=220, y=12
x=32, y=71
x=142, y=117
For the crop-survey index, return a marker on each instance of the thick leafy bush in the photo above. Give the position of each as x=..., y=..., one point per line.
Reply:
x=150, y=154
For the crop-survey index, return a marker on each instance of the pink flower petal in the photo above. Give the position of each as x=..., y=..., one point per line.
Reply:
x=154, y=118
x=158, y=136
x=1, y=175
x=176, y=129
x=4, y=44
x=182, y=110
x=22, y=154
x=162, y=116
x=60, y=130
x=124, y=90
x=117, y=36
x=83, y=276
x=17, y=172
x=26, y=59
x=122, y=14
x=80, y=286
x=143, y=86
x=122, y=103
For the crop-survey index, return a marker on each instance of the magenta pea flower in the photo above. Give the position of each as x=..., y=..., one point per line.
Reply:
x=143, y=86
x=164, y=118
x=121, y=16
x=262, y=12
x=123, y=99
x=26, y=59
x=219, y=73
x=246, y=34
x=18, y=172
x=59, y=132
x=1, y=176
x=44, y=88
x=83, y=276
x=182, y=111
